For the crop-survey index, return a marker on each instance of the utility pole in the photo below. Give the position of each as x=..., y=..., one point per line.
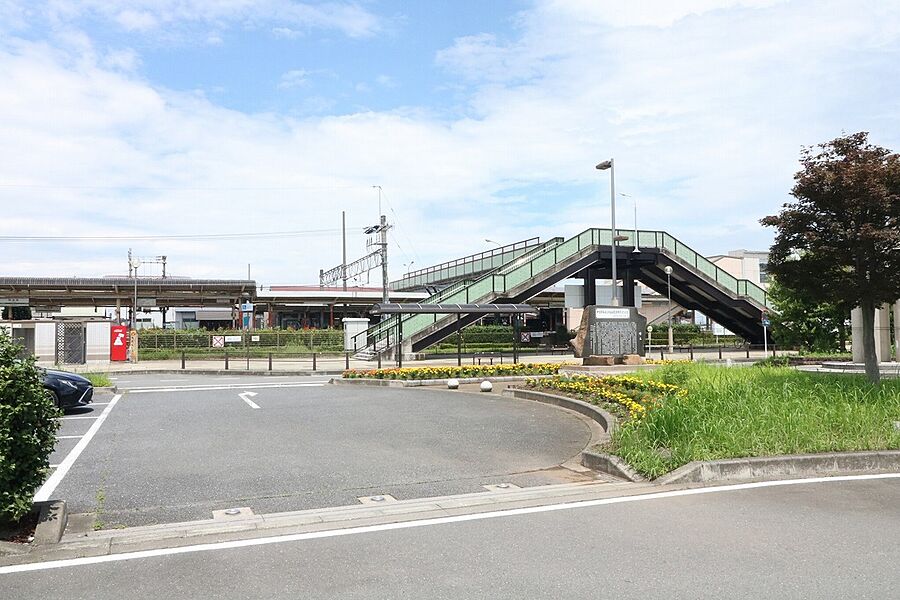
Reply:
x=385, y=296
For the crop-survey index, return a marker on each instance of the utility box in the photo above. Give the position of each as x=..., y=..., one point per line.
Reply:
x=354, y=338
x=118, y=343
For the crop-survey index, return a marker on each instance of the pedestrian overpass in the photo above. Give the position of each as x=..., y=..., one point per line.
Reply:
x=516, y=274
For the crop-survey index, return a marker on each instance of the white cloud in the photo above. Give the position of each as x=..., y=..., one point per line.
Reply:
x=281, y=16
x=294, y=78
x=705, y=112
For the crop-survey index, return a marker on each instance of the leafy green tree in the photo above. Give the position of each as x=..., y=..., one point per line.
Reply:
x=838, y=241
x=19, y=313
x=28, y=425
x=807, y=321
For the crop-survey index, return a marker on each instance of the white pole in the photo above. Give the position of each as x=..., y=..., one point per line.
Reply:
x=612, y=196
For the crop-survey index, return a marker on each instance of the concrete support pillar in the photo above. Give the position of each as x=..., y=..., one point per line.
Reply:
x=590, y=286
x=882, y=333
x=896, y=328
x=628, y=286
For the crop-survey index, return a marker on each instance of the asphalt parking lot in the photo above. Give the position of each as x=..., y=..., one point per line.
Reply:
x=171, y=449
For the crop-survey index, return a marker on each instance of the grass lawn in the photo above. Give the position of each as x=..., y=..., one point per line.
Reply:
x=98, y=379
x=753, y=411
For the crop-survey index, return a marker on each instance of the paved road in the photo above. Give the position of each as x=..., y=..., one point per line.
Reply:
x=822, y=540
x=168, y=456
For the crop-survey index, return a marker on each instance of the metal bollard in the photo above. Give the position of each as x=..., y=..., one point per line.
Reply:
x=182, y=360
x=691, y=349
x=248, y=359
x=661, y=355
x=379, y=360
x=270, y=361
x=747, y=346
x=720, y=351
x=346, y=360
x=314, y=361
x=226, y=360
x=773, y=348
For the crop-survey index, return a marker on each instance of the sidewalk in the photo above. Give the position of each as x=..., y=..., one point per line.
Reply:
x=334, y=364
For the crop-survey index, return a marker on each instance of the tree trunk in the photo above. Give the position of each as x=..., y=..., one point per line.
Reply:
x=868, y=324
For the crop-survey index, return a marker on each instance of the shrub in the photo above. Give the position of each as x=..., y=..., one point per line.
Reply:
x=28, y=425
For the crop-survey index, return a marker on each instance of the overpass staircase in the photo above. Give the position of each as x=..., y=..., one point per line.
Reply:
x=697, y=283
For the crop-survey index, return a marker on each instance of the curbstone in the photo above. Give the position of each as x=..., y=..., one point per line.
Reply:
x=429, y=382
x=611, y=465
x=51, y=521
x=773, y=467
x=607, y=421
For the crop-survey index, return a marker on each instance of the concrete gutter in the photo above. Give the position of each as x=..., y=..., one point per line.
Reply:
x=249, y=525
x=597, y=461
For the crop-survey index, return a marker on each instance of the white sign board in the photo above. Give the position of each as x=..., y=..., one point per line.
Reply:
x=254, y=338
x=247, y=307
x=612, y=313
x=146, y=301
x=230, y=339
x=13, y=301
x=218, y=341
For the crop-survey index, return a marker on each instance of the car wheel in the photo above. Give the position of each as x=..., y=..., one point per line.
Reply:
x=52, y=395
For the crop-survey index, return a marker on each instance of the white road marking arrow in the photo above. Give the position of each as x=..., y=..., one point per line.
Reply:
x=245, y=396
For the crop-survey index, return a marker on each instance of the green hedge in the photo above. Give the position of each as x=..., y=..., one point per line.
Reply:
x=28, y=425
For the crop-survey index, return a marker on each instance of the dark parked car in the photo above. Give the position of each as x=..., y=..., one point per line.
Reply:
x=68, y=390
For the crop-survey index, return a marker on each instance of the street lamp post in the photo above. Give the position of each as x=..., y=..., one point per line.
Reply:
x=135, y=263
x=668, y=271
x=634, y=202
x=499, y=245
x=610, y=164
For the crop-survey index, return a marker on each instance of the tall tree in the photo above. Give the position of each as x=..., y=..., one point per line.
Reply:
x=839, y=241
x=814, y=324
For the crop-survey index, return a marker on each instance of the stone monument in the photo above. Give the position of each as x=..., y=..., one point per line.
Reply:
x=609, y=333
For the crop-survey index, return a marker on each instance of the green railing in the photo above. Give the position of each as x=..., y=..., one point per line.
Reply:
x=546, y=258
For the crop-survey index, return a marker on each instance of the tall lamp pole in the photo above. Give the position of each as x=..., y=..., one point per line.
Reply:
x=133, y=266
x=668, y=271
x=610, y=164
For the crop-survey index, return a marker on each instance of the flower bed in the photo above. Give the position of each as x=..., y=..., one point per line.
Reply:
x=448, y=372
x=629, y=396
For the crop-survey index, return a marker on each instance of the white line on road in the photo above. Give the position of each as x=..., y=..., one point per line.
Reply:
x=68, y=437
x=69, y=418
x=249, y=402
x=297, y=537
x=55, y=479
x=206, y=388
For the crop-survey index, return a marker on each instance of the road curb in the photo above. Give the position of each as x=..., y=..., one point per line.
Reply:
x=52, y=518
x=429, y=382
x=775, y=467
x=597, y=461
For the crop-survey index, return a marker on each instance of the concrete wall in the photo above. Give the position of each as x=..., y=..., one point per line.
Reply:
x=98, y=340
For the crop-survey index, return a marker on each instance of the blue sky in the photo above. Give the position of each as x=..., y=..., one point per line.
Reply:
x=478, y=119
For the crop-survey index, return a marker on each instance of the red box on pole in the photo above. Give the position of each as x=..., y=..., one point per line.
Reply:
x=118, y=342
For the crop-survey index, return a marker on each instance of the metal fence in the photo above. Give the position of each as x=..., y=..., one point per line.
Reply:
x=170, y=344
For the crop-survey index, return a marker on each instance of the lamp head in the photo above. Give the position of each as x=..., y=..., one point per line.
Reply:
x=606, y=164
x=668, y=270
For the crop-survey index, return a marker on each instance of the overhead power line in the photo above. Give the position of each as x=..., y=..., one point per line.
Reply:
x=192, y=236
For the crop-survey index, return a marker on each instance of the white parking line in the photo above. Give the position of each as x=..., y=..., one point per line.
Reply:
x=363, y=529
x=54, y=480
x=205, y=388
